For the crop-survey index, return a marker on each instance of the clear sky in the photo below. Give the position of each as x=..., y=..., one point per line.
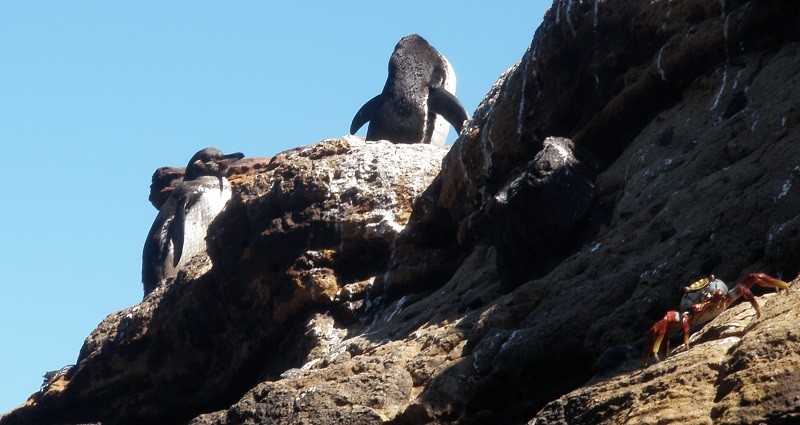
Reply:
x=97, y=95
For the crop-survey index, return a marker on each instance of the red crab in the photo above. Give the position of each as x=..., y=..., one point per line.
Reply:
x=703, y=301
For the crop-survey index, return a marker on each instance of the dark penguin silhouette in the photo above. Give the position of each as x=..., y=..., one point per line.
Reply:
x=179, y=231
x=419, y=92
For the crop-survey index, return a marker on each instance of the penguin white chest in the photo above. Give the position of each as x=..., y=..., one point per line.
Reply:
x=441, y=127
x=199, y=216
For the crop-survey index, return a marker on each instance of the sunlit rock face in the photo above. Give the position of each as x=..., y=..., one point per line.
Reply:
x=307, y=234
x=636, y=147
x=721, y=379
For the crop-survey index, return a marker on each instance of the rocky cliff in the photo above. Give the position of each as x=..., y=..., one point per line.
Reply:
x=635, y=147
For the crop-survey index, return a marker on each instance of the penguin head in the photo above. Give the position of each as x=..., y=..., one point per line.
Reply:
x=411, y=55
x=415, y=66
x=412, y=42
x=210, y=162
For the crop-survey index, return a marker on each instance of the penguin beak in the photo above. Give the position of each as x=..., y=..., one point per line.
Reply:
x=230, y=158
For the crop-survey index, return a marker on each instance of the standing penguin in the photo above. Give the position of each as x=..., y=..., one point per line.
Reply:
x=179, y=231
x=417, y=99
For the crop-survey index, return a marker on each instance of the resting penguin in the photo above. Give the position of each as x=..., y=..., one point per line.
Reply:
x=419, y=92
x=179, y=231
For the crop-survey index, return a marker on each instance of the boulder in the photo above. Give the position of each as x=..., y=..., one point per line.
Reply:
x=308, y=233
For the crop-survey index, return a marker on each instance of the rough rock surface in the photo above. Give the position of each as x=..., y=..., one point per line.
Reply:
x=163, y=182
x=740, y=369
x=343, y=290
x=535, y=217
x=308, y=233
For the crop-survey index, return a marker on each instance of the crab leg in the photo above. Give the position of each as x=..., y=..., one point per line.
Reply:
x=743, y=288
x=657, y=332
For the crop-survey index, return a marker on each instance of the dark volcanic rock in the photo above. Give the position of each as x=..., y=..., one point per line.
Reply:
x=536, y=216
x=719, y=381
x=351, y=287
x=693, y=179
x=163, y=182
x=309, y=232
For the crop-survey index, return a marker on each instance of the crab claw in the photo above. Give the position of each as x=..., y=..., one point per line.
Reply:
x=743, y=288
x=654, y=337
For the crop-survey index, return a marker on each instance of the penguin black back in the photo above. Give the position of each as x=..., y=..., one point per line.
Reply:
x=418, y=89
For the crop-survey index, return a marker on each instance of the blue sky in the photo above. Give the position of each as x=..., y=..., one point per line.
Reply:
x=97, y=95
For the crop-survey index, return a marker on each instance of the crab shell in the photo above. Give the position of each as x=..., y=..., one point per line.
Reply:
x=705, y=299
x=702, y=291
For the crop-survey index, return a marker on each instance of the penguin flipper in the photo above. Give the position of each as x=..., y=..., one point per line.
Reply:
x=151, y=260
x=366, y=113
x=176, y=230
x=156, y=248
x=444, y=103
